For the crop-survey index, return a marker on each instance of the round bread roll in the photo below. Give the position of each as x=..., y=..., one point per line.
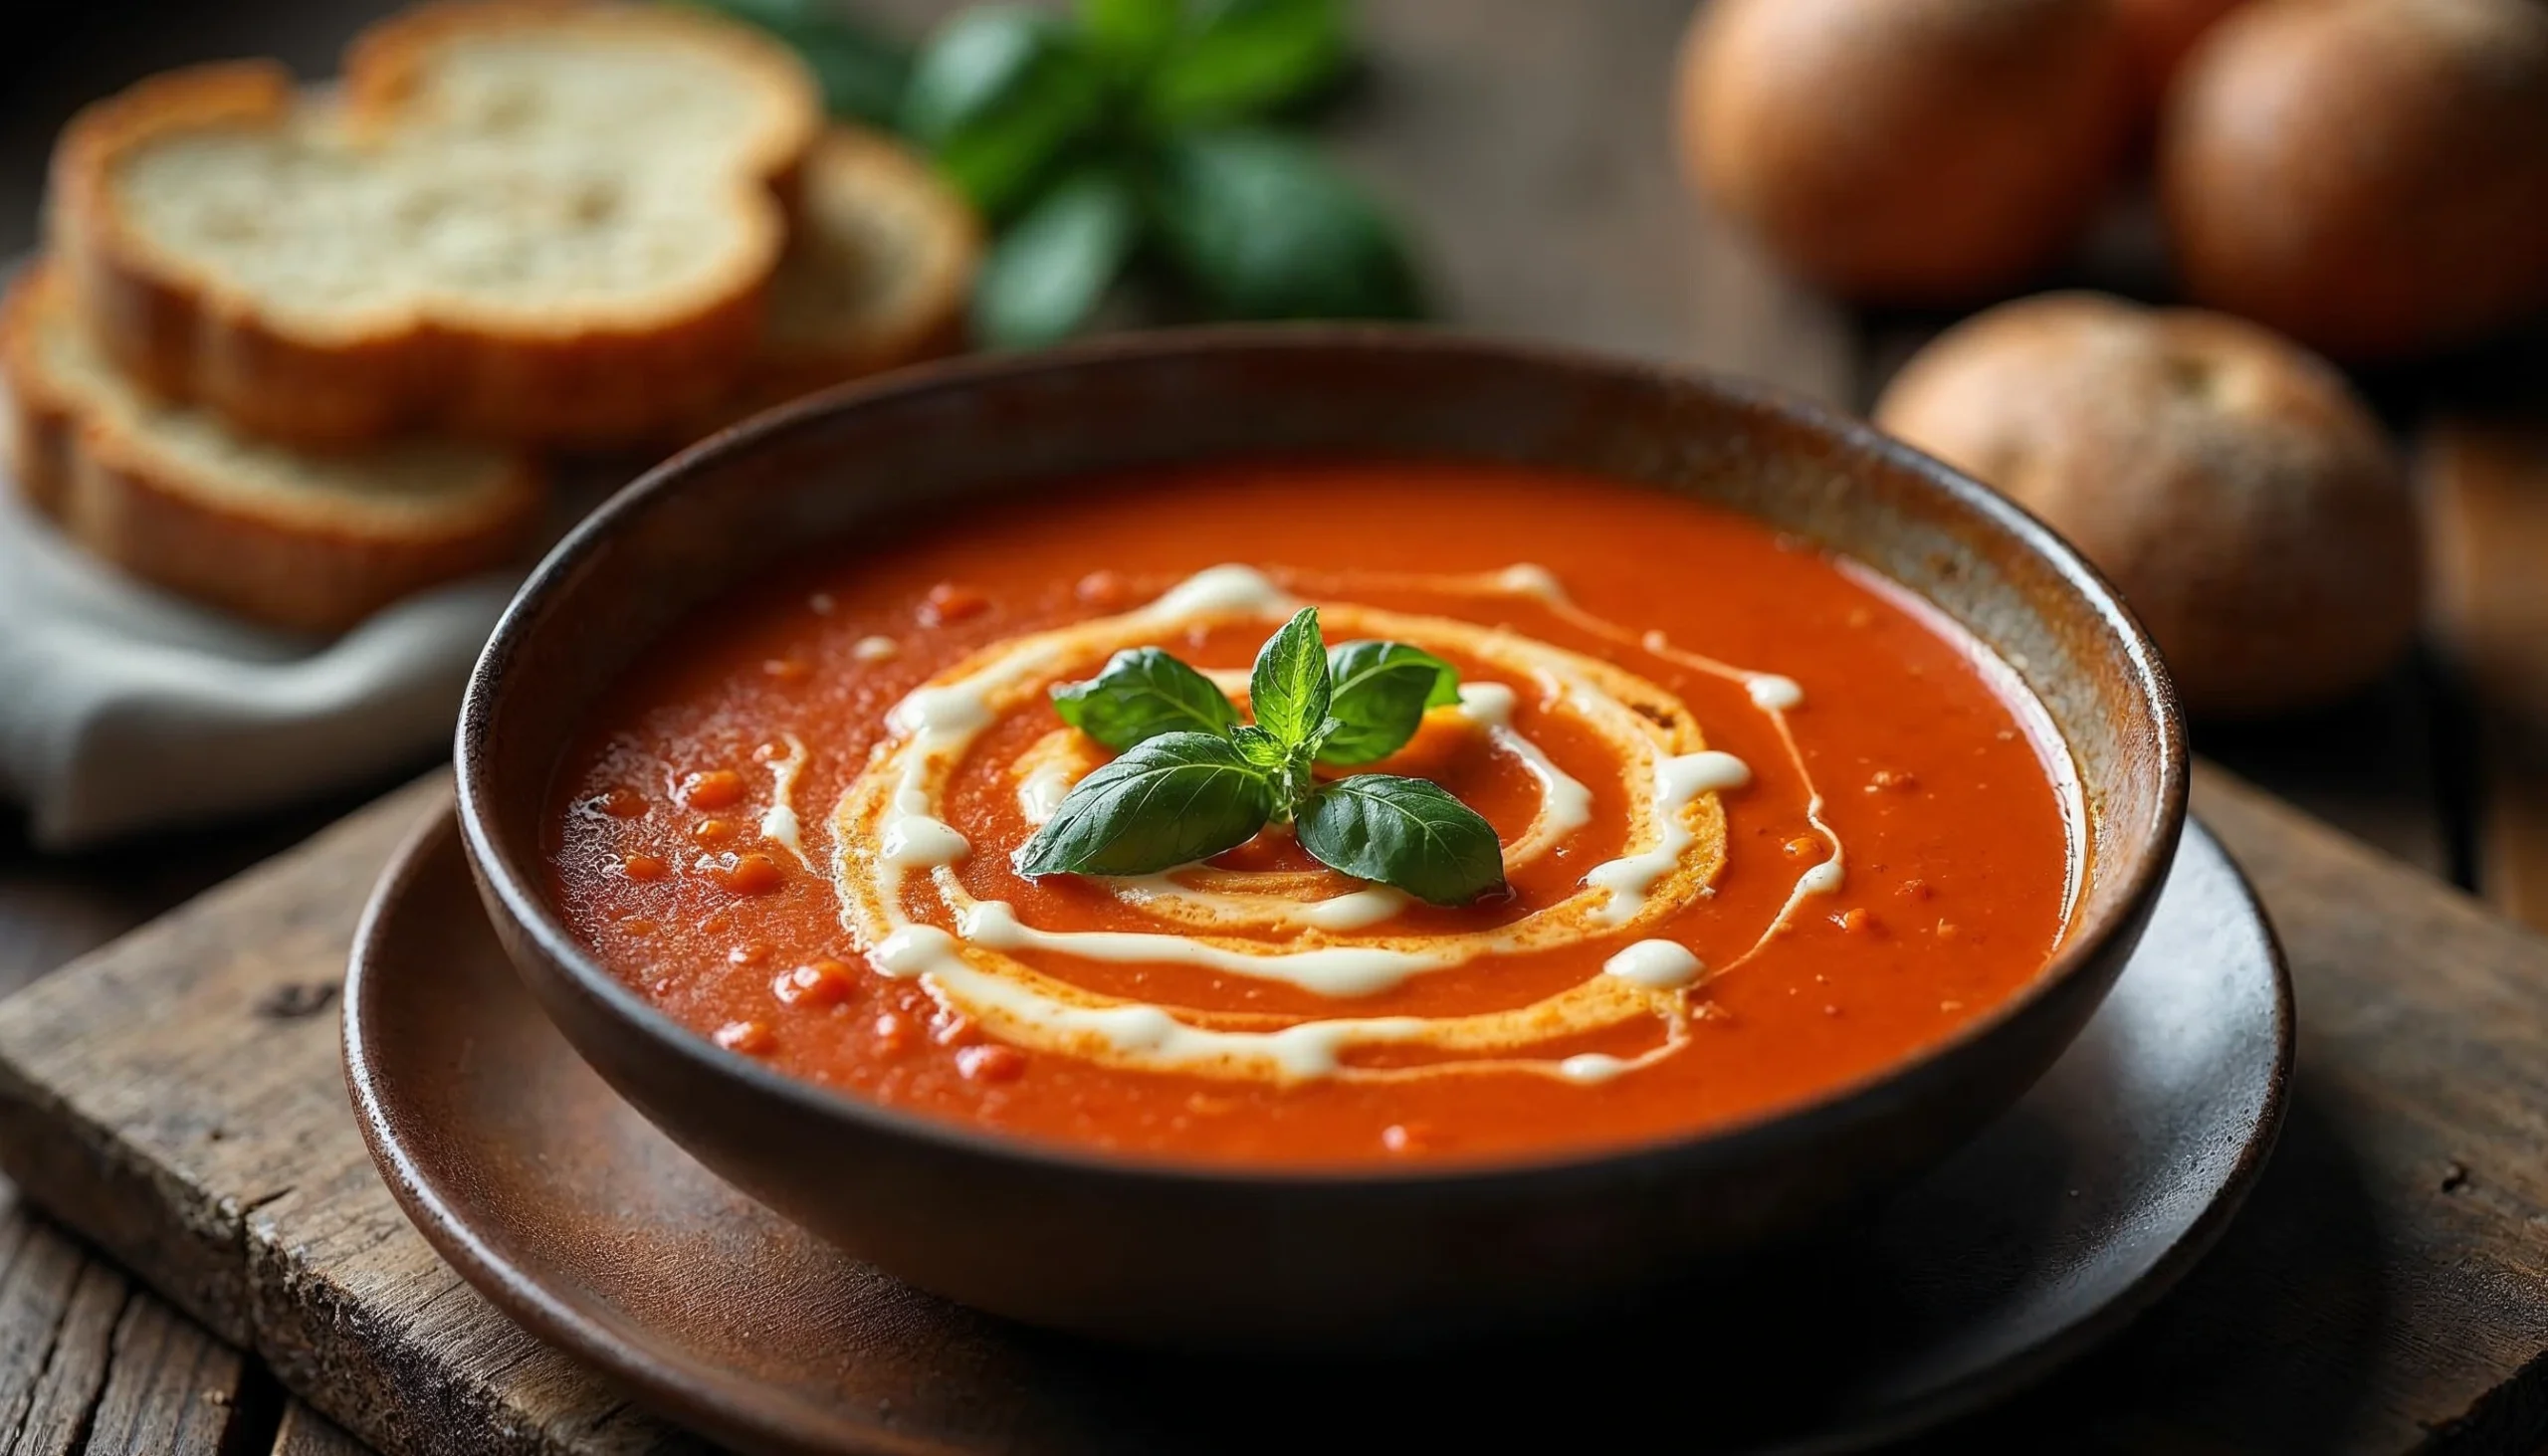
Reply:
x=2369, y=176
x=1908, y=150
x=2231, y=484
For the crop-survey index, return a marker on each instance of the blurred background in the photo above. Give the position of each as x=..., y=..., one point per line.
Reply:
x=2335, y=515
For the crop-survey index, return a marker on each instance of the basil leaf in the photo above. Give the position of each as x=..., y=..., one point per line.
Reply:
x=1381, y=692
x=1263, y=228
x=1141, y=693
x=1403, y=832
x=997, y=96
x=1355, y=658
x=1288, y=689
x=1242, y=58
x=1170, y=800
x=1048, y=273
x=861, y=71
x=1260, y=747
x=1130, y=32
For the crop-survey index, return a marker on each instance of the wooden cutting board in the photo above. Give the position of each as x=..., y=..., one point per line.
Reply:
x=179, y=1097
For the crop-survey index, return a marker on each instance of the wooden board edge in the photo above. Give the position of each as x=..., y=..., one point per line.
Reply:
x=144, y=1216
x=187, y=1242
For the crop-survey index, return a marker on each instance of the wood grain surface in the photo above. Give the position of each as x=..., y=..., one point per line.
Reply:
x=88, y=1363
x=221, y=1161
x=305, y=1433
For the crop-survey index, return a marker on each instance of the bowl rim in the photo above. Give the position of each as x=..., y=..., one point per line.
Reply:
x=2083, y=947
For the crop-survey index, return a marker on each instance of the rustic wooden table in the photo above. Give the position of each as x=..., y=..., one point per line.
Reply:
x=1525, y=143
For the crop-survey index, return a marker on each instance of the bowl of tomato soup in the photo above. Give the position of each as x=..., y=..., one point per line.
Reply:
x=1294, y=837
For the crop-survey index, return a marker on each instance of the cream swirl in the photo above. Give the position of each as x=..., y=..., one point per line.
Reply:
x=890, y=824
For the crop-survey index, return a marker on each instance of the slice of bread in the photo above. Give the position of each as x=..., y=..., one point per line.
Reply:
x=877, y=271
x=287, y=536
x=539, y=223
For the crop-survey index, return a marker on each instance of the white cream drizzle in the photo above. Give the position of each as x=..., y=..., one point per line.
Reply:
x=1223, y=591
x=1329, y=970
x=1303, y=1050
x=936, y=724
x=923, y=842
x=1041, y=789
x=1771, y=692
x=1524, y=578
x=1355, y=910
x=1566, y=805
x=1593, y=1067
x=1774, y=695
x=1360, y=909
x=778, y=822
x=1678, y=781
x=1658, y=965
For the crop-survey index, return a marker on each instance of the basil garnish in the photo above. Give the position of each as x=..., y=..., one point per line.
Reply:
x=1140, y=141
x=997, y=96
x=1169, y=800
x=1289, y=690
x=1261, y=226
x=1053, y=265
x=1141, y=693
x=1405, y=832
x=1381, y=692
x=1193, y=782
x=1234, y=59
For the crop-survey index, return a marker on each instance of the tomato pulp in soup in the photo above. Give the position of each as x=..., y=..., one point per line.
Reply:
x=1769, y=825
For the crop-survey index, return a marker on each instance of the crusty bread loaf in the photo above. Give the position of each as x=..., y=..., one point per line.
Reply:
x=176, y=496
x=877, y=271
x=550, y=223
x=2245, y=499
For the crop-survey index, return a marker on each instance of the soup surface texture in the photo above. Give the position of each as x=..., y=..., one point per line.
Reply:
x=1769, y=825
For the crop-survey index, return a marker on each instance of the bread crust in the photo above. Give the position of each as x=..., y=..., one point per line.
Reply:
x=851, y=167
x=2368, y=176
x=2245, y=501
x=109, y=492
x=1907, y=151
x=584, y=378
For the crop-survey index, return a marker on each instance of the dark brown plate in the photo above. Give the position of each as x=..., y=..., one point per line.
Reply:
x=569, y=1211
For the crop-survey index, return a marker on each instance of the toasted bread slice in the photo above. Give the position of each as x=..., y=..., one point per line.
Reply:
x=281, y=535
x=877, y=271
x=550, y=223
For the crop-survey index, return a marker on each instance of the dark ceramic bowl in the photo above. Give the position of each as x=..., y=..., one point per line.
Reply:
x=1160, y=1253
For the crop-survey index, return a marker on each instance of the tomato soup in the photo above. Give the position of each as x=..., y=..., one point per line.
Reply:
x=1769, y=825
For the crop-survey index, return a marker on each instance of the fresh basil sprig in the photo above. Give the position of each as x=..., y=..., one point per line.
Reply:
x=1260, y=226
x=999, y=98
x=1169, y=800
x=1381, y=692
x=1054, y=266
x=1406, y=832
x=1141, y=694
x=1193, y=781
x=1289, y=690
x=1125, y=133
